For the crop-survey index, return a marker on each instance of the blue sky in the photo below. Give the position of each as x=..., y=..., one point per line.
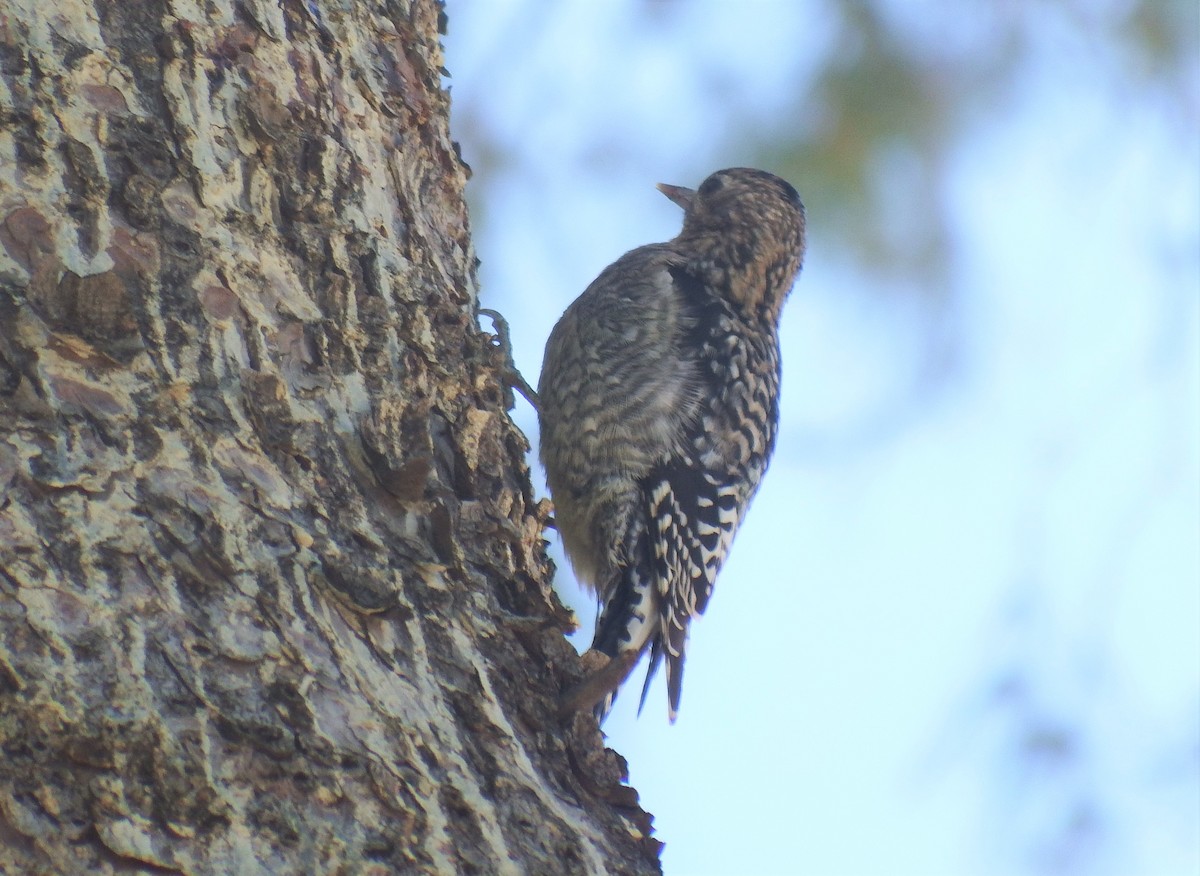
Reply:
x=959, y=632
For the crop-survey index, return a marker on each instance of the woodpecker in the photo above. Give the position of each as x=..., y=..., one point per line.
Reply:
x=658, y=412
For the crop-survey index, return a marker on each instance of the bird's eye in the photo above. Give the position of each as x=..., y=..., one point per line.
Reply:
x=711, y=186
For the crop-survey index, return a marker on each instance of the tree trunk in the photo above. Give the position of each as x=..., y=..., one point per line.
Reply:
x=273, y=590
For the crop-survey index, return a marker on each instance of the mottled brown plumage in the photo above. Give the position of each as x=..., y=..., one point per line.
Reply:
x=658, y=410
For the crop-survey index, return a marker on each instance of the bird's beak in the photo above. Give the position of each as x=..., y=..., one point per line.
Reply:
x=678, y=194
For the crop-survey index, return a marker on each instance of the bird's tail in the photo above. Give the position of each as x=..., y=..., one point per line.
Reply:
x=628, y=622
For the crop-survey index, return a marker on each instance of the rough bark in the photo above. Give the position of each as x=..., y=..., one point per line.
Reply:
x=273, y=589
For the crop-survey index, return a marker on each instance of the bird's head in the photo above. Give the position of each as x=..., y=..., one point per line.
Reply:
x=745, y=225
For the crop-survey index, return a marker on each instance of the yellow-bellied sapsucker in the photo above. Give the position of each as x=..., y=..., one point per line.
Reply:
x=659, y=406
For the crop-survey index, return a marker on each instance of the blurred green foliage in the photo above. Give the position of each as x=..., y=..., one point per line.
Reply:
x=903, y=82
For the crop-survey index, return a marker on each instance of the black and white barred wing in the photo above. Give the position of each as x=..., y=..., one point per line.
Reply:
x=695, y=516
